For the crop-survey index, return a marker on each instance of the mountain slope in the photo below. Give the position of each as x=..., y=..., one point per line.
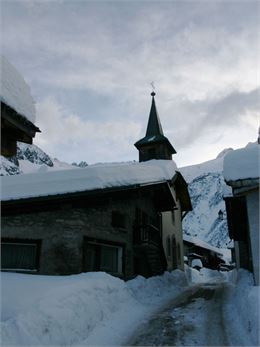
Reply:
x=206, y=188
x=29, y=159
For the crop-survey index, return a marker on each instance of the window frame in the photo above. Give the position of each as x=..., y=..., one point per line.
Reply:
x=103, y=243
x=25, y=242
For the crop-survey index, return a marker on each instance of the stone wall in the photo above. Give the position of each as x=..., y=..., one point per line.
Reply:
x=62, y=231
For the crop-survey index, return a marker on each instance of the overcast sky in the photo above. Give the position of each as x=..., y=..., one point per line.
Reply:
x=90, y=64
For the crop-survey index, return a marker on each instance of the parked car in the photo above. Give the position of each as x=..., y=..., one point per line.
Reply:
x=196, y=264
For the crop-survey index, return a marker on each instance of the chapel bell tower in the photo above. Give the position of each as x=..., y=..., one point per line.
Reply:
x=154, y=145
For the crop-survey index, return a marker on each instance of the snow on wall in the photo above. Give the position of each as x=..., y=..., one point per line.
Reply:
x=90, y=178
x=242, y=163
x=15, y=92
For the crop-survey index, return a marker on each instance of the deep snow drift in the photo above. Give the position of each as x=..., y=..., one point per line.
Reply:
x=86, y=309
x=98, y=309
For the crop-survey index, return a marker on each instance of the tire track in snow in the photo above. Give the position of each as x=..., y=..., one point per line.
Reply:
x=193, y=319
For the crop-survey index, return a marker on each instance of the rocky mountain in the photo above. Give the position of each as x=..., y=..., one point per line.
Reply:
x=81, y=164
x=206, y=188
x=33, y=154
x=29, y=159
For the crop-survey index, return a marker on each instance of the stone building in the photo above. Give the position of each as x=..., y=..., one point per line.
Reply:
x=124, y=219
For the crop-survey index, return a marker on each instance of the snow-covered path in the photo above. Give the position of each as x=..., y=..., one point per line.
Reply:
x=194, y=318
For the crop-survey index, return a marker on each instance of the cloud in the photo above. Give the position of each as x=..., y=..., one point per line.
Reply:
x=211, y=117
x=202, y=56
x=66, y=135
x=186, y=48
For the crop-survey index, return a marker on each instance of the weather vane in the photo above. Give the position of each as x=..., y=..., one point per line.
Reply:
x=153, y=92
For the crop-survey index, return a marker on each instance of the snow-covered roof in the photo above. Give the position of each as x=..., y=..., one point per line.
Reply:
x=15, y=92
x=242, y=164
x=201, y=243
x=90, y=178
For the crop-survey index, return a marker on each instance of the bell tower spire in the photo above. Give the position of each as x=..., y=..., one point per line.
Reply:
x=154, y=126
x=154, y=145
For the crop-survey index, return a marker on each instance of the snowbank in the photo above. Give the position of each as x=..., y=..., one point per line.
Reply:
x=15, y=92
x=90, y=308
x=205, y=275
x=89, y=178
x=242, y=163
x=241, y=309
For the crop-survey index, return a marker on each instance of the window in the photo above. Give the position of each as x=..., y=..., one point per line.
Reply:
x=118, y=219
x=103, y=257
x=19, y=255
x=110, y=259
x=168, y=246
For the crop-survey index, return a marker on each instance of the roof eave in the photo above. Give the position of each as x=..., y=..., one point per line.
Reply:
x=18, y=120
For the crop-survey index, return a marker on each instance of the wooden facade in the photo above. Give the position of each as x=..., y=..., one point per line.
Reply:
x=14, y=127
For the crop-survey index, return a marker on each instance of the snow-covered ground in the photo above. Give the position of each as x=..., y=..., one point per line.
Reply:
x=86, y=309
x=242, y=310
x=98, y=309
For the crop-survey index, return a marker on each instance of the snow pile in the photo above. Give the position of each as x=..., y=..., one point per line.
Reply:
x=15, y=92
x=242, y=163
x=242, y=303
x=204, y=275
x=90, y=308
x=90, y=178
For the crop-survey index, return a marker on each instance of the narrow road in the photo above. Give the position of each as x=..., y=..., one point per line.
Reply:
x=192, y=319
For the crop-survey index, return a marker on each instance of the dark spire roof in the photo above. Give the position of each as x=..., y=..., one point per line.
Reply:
x=154, y=133
x=154, y=126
